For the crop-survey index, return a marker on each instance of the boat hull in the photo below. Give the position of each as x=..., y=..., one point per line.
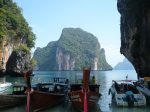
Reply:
x=121, y=100
x=84, y=96
x=125, y=94
x=10, y=100
x=42, y=100
x=77, y=98
x=146, y=92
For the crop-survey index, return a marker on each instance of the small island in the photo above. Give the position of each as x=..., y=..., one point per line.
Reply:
x=75, y=49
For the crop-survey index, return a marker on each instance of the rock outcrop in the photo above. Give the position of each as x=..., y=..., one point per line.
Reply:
x=64, y=61
x=18, y=62
x=135, y=33
x=16, y=39
x=74, y=50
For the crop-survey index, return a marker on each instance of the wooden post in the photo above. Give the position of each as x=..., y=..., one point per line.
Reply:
x=28, y=102
x=86, y=75
x=85, y=102
x=28, y=90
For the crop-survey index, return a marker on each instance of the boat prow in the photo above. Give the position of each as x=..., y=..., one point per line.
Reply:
x=84, y=96
x=17, y=97
x=76, y=96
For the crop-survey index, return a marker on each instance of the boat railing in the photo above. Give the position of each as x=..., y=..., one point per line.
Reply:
x=60, y=80
x=124, y=87
x=124, y=81
x=51, y=87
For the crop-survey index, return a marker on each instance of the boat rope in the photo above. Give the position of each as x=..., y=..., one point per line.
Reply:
x=28, y=102
x=85, y=102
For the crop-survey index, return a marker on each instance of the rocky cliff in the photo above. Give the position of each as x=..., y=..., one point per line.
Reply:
x=18, y=62
x=135, y=33
x=16, y=39
x=74, y=50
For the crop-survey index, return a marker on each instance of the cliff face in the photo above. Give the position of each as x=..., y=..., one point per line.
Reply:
x=74, y=50
x=102, y=63
x=64, y=61
x=16, y=39
x=80, y=47
x=18, y=62
x=5, y=52
x=135, y=33
x=13, y=59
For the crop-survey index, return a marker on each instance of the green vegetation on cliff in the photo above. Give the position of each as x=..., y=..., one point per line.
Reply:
x=16, y=39
x=76, y=41
x=74, y=50
x=13, y=26
x=103, y=65
x=46, y=57
x=81, y=45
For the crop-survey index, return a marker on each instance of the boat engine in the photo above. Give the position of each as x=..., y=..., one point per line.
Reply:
x=130, y=98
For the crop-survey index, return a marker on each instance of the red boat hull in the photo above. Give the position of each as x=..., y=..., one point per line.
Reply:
x=77, y=99
x=42, y=100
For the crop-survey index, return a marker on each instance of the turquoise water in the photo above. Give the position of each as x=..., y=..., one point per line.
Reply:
x=104, y=78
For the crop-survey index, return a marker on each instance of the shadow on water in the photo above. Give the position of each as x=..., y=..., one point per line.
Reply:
x=14, y=109
x=59, y=108
x=67, y=108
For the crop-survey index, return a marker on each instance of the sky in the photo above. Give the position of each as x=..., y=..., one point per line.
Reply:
x=99, y=17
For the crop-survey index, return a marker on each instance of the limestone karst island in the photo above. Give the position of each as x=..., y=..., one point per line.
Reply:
x=74, y=55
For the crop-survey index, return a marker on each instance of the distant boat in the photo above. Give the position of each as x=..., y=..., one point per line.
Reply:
x=125, y=93
x=84, y=96
x=47, y=95
x=17, y=97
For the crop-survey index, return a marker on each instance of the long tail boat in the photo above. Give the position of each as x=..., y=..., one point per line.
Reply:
x=84, y=96
x=17, y=97
x=46, y=95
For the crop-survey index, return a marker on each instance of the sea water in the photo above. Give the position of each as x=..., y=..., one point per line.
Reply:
x=104, y=78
